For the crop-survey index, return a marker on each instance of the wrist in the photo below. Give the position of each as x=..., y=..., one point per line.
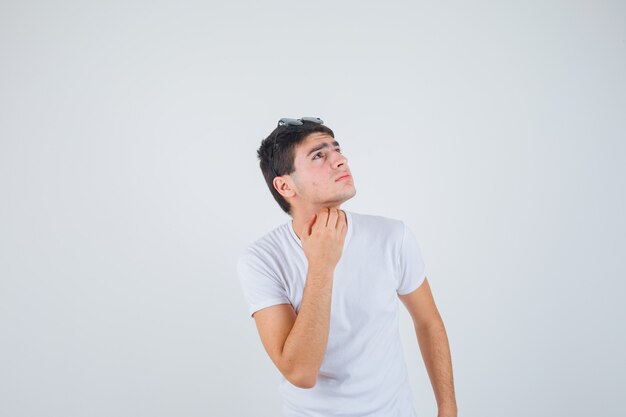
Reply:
x=447, y=410
x=321, y=269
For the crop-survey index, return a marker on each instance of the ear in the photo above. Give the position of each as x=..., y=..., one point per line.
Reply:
x=284, y=185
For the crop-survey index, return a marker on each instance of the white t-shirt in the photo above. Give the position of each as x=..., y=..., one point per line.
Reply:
x=363, y=372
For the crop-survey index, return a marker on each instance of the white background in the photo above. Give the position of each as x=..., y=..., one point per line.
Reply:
x=129, y=184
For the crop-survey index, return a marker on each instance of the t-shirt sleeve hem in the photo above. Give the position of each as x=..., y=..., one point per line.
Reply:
x=267, y=303
x=419, y=283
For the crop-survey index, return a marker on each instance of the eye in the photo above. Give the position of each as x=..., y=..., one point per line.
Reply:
x=318, y=154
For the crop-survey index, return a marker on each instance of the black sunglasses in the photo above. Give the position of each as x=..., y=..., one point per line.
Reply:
x=286, y=121
x=298, y=122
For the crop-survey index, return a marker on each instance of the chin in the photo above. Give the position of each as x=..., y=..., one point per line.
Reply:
x=348, y=195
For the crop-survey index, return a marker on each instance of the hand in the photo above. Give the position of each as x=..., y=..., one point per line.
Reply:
x=323, y=237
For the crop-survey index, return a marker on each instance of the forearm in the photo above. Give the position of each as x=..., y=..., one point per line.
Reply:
x=305, y=347
x=433, y=343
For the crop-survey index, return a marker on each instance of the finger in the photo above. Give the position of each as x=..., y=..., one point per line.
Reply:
x=306, y=230
x=324, y=216
x=332, y=218
x=341, y=219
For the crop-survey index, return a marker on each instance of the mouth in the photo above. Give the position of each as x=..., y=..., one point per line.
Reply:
x=344, y=177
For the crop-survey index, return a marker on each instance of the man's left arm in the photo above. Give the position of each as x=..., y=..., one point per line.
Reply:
x=433, y=343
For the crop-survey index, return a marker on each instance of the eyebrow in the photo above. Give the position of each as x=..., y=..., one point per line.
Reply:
x=322, y=146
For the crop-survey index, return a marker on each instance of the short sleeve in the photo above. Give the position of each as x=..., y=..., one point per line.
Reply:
x=411, y=266
x=261, y=287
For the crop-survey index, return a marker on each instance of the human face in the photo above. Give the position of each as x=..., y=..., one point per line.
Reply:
x=321, y=177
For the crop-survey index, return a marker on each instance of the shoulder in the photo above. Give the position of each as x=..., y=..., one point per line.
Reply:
x=266, y=247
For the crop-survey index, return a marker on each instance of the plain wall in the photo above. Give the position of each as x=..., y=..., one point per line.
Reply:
x=129, y=184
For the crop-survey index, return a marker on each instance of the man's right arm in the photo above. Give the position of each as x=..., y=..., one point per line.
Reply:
x=297, y=343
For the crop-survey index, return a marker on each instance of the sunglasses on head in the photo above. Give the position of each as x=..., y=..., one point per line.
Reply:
x=286, y=121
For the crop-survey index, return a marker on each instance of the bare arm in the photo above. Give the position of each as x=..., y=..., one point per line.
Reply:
x=433, y=342
x=305, y=347
x=297, y=343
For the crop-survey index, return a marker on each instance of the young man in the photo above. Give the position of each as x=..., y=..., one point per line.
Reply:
x=323, y=288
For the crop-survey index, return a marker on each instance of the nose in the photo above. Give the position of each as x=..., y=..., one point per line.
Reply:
x=340, y=160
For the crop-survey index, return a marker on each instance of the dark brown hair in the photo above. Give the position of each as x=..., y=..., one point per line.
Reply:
x=283, y=140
